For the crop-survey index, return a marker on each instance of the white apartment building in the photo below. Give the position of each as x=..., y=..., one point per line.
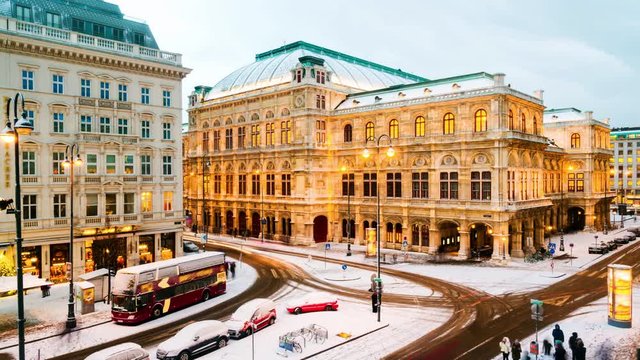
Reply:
x=91, y=78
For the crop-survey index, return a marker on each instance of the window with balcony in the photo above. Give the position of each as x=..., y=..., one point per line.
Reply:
x=146, y=202
x=85, y=88
x=420, y=185
x=241, y=137
x=394, y=185
x=29, y=207
x=58, y=157
x=480, y=121
x=139, y=38
x=118, y=35
x=27, y=79
x=370, y=184
x=91, y=208
x=145, y=164
x=59, y=205
x=28, y=163
x=128, y=165
x=92, y=164
x=286, y=184
x=167, y=201
x=166, y=98
x=166, y=131
x=480, y=185
x=58, y=84
x=105, y=125
x=58, y=122
x=123, y=94
x=255, y=184
x=285, y=132
x=448, y=124
x=242, y=184
x=129, y=203
x=53, y=20
x=449, y=185
x=228, y=139
x=104, y=90
x=216, y=140
x=99, y=30
x=78, y=25
x=123, y=126
x=228, y=184
x=144, y=95
x=145, y=129
x=85, y=123
x=167, y=165
x=394, y=129
x=23, y=13
x=111, y=164
x=270, y=134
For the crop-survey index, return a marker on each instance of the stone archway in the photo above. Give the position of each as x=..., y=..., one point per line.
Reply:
x=229, y=222
x=481, y=240
x=320, y=228
x=242, y=223
x=255, y=225
x=449, y=237
x=575, y=219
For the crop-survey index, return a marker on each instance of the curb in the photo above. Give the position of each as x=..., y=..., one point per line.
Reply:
x=54, y=335
x=345, y=342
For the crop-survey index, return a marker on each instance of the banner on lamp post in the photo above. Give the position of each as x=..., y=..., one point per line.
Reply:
x=371, y=242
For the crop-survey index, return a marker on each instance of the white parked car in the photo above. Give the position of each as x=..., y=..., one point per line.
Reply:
x=194, y=339
x=129, y=351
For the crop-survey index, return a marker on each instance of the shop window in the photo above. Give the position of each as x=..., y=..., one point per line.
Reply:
x=167, y=245
x=146, y=249
x=59, y=256
x=31, y=260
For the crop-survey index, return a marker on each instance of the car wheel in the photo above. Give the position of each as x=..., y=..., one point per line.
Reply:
x=328, y=308
x=222, y=343
x=184, y=355
x=206, y=296
x=297, y=311
x=157, y=312
x=272, y=321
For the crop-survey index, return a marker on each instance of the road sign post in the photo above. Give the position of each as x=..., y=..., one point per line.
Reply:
x=327, y=246
x=536, y=314
x=571, y=256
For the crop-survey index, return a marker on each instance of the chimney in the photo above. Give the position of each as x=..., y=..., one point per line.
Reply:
x=498, y=79
x=539, y=94
x=588, y=115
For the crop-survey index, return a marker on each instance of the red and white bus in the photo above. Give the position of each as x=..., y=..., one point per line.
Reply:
x=148, y=291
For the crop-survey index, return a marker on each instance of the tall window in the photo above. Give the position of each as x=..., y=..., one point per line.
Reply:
x=394, y=185
x=241, y=137
x=394, y=129
x=144, y=95
x=139, y=38
x=145, y=127
x=285, y=132
x=228, y=139
x=242, y=184
x=123, y=126
x=58, y=84
x=27, y=79
x=85, y=123
x=575, y=182
x=320, y=131
x=320, y=77
x=448, y=124
x=92, y=164
x=420, y=185
x=348, y=133
x=92, y=205
x=420, y=126
x=271, y=184
x=123, y=94
x=255, y=184
x=228, y=183
x=217, y=184
x=146, y=203
x=255, y=135
x=511, y=124
x=449, y=185
x=166, y=131
x=535, y=125
x=23, y=13
x=370, y=131
x=111, y=204
x=29, y=207
x=575, y=141
x=511, y=185
x=286, y=184
x=105, y=125
x=85, y=87
x=59, y=205
x=370, y=184
x=28, y=163
x=205, y=142
x=320, y=101
x=58, y=122
x=111, y=164
x=53, y=20
x=523, y=126
x=58, y=158
x=481, y=121
x=128, y=165
x=129, y=203
x=166, y=98
x=167, y=200
x=269, y=133
x=167, y=165
x=145, y=164
x=348, y=184
x=480, y=185
x=104, y=90
x=216, y=140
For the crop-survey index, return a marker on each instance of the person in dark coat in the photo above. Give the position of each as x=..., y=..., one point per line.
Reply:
x=232, y=268
x=516, y=350
x=546, y=346
x=572, y=344
x=581, y=351
x=557, y=334
x=561, y=353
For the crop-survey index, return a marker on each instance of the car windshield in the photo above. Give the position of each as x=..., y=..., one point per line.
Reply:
x=124, y=303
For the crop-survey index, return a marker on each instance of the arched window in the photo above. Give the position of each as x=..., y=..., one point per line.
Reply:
x=394, y=131
x=535, y=125
x=448, y=124
x=523, y=126
x=389, y=232
x=481, y=121
x=575, y=141
x=511, y=120
x=371, y=131
x=419, y=126
x=255, y=117
x=348, y=133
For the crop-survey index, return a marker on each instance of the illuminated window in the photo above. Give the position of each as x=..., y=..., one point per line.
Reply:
x=394, y=130
x=370, y=131
x=448, y=124
x=575, y=141
x=269, y=132
x=147, y=202
x=420, y=126
x=255, y=135
x=167, y=200
x=481, y=121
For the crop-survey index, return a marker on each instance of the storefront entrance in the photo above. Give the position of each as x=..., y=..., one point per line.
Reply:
x=59, y=255
x=146, y=249
x=31, y=260
x=168, y=245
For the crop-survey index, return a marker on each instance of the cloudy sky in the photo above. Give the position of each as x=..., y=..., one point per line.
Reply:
x=584, y=54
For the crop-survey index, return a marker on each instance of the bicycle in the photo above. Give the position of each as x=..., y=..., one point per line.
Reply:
x=315, y=333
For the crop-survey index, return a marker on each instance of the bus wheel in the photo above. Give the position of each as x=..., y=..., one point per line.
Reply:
x=184, y=355
x=157, y=311
x=206, y=296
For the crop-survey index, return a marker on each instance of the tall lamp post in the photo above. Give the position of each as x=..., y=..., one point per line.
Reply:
x=607, y=203
x=366, y=154
x=622, y=198
x=11, y=133
x=263, y=221
x=350, y=179
x=72, y=159
x=205, y=166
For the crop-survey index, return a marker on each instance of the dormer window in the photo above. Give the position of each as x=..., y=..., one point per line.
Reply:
x=23, y=13
x=455, y=86
x=427, y=91
x=377, y=99
x=401, y=94
x=320, y=77
x=299, y=75
x=356, y=102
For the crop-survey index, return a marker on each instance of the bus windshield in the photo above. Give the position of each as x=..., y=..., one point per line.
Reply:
x=124, y=303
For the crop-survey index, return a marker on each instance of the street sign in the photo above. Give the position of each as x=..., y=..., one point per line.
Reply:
x=203, y=239
x=552, y=251
x=552, y=246
x=344, y=266
x=327, y=246
x=537, y=317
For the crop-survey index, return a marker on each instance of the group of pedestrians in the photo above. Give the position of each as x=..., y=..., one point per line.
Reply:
x=576, y=345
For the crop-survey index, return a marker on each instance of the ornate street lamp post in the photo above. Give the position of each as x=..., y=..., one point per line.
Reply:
x=366, y=154
x=11, y=133
x=72, y=159
x=350, y=179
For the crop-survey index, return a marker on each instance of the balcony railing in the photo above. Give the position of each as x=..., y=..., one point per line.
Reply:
x=65, y=36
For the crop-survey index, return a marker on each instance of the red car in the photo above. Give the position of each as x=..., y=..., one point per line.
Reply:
x=316, y=301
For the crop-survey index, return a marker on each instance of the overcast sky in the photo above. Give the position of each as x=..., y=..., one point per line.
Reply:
x=584, y=54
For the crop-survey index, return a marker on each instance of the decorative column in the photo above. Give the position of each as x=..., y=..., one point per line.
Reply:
x=516, y=245
x=434, y=241
x=465, y=245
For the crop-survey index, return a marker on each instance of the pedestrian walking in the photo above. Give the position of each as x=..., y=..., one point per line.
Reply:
x=546, y=346
x=232, y=268
x=561, y=353
x=581, y=351
x=516, y=350
x=572, y=344
x=557, y=334
x=505, y=348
